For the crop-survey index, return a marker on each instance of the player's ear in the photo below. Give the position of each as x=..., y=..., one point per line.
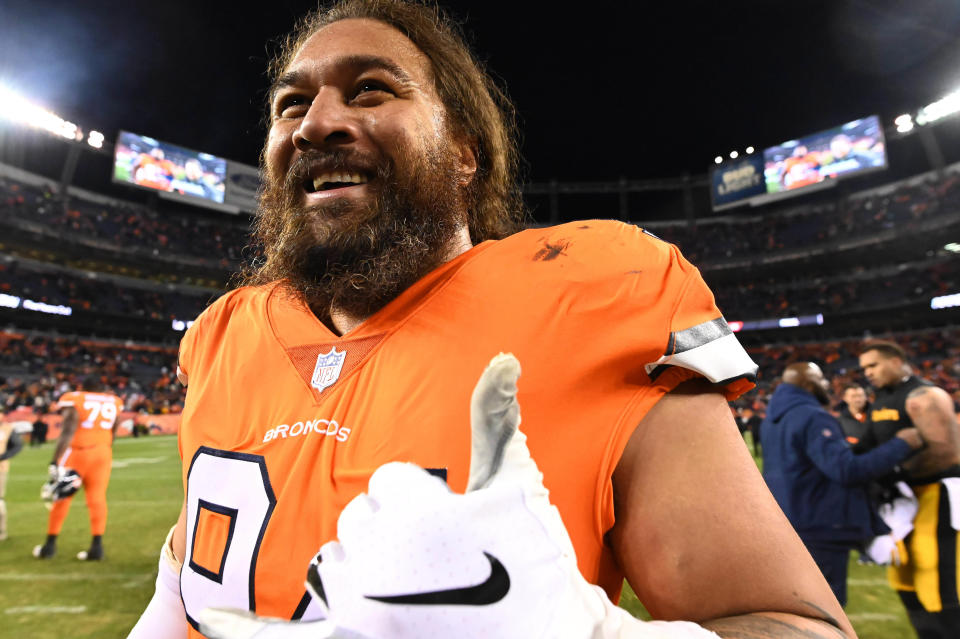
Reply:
x=465, y=148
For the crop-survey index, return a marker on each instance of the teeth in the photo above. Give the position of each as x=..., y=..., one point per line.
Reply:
x=348, y=178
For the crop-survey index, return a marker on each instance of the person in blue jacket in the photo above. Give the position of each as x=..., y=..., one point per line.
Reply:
x=816, y=478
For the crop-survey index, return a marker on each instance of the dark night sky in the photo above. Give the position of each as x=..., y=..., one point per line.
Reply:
x=640, y=90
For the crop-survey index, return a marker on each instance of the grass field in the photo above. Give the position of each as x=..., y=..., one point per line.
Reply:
x=65, y=598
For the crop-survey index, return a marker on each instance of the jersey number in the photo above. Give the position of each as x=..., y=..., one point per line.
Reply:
x=106, y=412
x=230, y=501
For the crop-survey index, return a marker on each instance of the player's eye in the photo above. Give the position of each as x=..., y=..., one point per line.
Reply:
x=368, y=90
x=291, y=106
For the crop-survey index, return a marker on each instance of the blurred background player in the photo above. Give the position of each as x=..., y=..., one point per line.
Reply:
x=853, y=416
x=86, y=446
x=926, y=578
x=10, y=445
x=38, y=435
x=815, y=477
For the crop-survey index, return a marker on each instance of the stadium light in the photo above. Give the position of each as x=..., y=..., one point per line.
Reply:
x=717, y=160
x=95, y=139
x=945, y=301
x=947, y=105
x=734, y=155
x=904, y=123
x=16, y=108
x=953, y=247
x=749, y=150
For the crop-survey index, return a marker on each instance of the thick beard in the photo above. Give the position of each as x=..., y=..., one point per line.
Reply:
x=358, y=257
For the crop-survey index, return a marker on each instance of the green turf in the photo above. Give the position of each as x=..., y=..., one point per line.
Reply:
x=64, y=597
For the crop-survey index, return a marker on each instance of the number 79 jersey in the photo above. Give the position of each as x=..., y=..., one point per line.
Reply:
x=98, y=413
x=285, y=421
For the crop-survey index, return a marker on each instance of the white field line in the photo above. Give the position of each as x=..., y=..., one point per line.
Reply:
x=19, y=610
x=133, y=461
x=867, y=582
x=126, y=477
x=875, y=616
x=117, y=463
x=73, y=576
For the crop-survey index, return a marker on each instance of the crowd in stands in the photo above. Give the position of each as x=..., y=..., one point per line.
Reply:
x=100, y=295
x=128, y=224
x=757, y=298
x=179, y=233
x=36, y=369
x=934, y=355
x=787, y=297
x=854, y=217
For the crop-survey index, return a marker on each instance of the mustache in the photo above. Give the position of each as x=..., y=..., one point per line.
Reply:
x=346, y=160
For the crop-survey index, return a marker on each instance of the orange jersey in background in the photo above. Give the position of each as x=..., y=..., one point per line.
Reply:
x=98, y=414
x=285, y=421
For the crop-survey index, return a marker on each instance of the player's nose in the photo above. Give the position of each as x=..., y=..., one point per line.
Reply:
x=328, y=122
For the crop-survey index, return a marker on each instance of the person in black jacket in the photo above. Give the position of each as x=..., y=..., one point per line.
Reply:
x=854, y=417
x=815, y=476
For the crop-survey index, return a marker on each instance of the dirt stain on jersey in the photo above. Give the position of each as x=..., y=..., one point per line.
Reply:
x=634, y=272
x=551, y=250
x=582, y=228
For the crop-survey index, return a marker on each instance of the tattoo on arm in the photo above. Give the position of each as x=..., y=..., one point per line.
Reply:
x=917, y=392
x=825, y=616
x=761, y=626
x=771, y=625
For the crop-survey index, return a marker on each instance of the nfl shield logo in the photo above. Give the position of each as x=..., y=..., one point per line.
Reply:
x=327, y=370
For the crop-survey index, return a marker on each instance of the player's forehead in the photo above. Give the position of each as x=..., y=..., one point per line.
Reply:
x=869, y=357
x=340, y=45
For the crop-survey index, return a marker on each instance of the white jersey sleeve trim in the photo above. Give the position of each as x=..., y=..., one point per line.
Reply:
x=710, y=349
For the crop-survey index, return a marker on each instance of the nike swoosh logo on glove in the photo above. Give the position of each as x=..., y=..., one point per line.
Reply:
x=492, y=590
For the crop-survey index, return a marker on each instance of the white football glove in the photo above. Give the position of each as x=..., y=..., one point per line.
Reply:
x=416, y=560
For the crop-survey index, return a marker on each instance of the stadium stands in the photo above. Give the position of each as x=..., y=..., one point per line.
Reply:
x=129, y=271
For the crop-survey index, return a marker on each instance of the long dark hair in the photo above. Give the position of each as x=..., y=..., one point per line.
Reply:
x=478, y=109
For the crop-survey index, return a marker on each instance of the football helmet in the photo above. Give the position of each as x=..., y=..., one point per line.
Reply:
x=66, y=485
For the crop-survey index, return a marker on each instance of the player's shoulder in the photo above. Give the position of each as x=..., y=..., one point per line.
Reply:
x=598, y=243
x=240, y=300
x=216, y=324
x=70, y=398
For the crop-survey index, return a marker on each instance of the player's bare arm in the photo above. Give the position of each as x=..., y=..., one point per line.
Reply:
x=931, y=410
x=68, y=427
x=722, y=553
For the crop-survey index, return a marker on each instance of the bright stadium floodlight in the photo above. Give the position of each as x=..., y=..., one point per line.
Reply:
x=953, y=247
x=947, y=105
x=734, y=155
x=945, y=301
x=749, y=150
x=95, y=139
x=717, y=160
x=904, y=123
x=16, y=108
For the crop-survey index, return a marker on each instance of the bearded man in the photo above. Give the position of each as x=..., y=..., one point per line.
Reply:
x=393, y=271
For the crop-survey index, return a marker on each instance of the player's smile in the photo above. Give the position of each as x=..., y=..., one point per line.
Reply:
x=332, y=184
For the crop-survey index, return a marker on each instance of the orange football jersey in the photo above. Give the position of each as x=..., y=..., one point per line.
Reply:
x=98, y=413
x=285, y=421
